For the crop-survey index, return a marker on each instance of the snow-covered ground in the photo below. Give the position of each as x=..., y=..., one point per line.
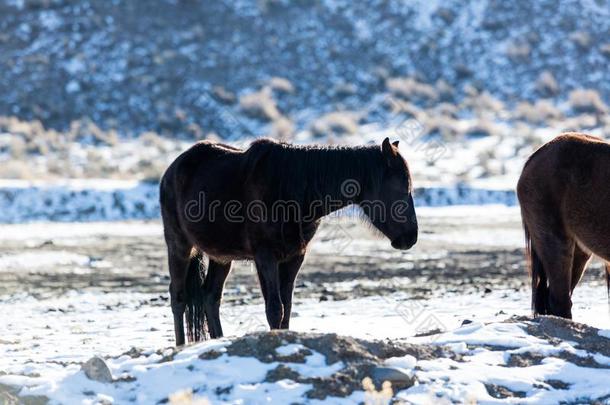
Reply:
x=44, y=345
x=479, y=351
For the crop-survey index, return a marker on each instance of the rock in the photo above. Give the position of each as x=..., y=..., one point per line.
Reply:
x=466, y=322
x=397, y=376
x=96, y=369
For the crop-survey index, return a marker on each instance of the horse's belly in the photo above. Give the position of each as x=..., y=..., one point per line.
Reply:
x=589, y=223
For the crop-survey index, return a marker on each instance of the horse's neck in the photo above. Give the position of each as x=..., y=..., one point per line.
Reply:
x=349, y=180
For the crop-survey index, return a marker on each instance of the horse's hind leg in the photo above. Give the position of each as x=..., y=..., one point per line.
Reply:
x=579, y=264
x=288, y=274
x=178, y=260
x=213, y=287
x=556, y=252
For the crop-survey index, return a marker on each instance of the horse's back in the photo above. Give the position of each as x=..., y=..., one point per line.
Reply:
x=204, y=162
x=204, y=167
x=567, y=162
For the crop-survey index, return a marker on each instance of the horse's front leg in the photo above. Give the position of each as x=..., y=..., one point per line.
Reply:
x=213, y=287
x=288, y=274
x=268, y=275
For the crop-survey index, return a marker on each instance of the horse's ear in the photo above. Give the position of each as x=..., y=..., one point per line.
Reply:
x=395, y=143
x=389, y=151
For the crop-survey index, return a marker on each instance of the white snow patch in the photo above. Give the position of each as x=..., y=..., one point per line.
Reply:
x=35, y=260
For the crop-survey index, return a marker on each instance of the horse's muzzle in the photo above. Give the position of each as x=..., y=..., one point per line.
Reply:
x=405, y=242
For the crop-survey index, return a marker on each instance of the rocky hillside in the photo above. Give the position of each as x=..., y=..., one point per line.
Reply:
x=187, y=68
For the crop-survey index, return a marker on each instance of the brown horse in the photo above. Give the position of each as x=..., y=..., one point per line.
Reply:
x=564, y=193
x=265, y=204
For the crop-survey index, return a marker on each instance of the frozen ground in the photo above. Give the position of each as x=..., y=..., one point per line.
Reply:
x=72, y=291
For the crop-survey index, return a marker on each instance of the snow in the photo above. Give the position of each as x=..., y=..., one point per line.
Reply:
x=78, y=201
x=465, y=379
x=407, y=362
x=42, y=348
x=37, y=232
x=109, y=324
x=45, y=259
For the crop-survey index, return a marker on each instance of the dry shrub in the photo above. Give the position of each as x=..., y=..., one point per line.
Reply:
x=86, y=131
x=582, y=39
x=444, y=89
x=579, y=122
x=408, y=88
x=195, y=131
x=518, y=51
x=446, y=126
x=223, y=95
x=338, y=123
x=282, y=129
x=260, y=104
x=31, y=151
x=37, y=146
x=489, y=164
x=538, y=113
x=397, y=106
x=587, y=100
x=186, y=397
x=345, y=89
x=97, y=165
x=33, y=137
x=152, y=139
x=527, y=136
x=27, y=129
x=17, y=147
x=446, y=109
x=470, y=90
x=16, y=169
x=281, y=85
x=482, y=104
x=374, y=397
x=546, y=84
x=480, y=128
x=149, y=171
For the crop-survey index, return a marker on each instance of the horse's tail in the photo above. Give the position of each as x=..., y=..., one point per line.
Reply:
x=194, y=313
x=540, y=289
x=608, y=280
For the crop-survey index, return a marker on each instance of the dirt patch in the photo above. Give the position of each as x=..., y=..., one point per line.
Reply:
x=525, y=359
x=9, y=396
x=556, y=330
x=586, y=337
x=500, y=392
x=359, y=358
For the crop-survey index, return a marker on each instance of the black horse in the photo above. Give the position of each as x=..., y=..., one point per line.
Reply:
x=264, y=204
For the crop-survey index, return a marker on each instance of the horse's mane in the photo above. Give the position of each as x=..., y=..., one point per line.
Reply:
x=308, y=172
